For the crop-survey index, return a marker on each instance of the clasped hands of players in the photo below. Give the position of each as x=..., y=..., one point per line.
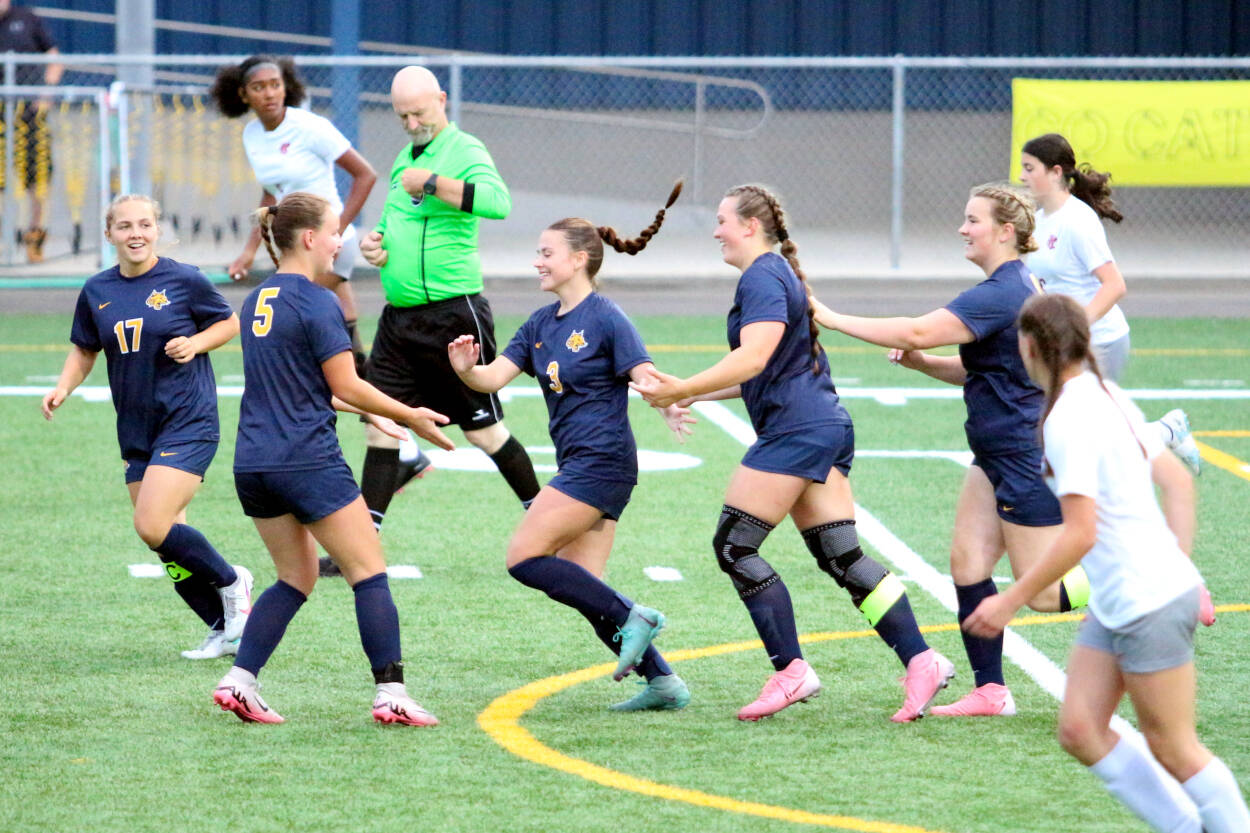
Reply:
x=464, y=352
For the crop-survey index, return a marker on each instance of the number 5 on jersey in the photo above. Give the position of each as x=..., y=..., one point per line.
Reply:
x=264, y=313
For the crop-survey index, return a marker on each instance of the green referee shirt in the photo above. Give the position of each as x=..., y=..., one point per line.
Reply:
x=432, y=246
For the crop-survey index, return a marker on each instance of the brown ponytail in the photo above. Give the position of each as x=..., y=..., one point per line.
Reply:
x=584, y=236
x=279, y=224
x=1086, y=184
x=756, y=201
x=1059, y=328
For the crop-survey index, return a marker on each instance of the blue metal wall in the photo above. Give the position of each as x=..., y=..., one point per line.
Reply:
x=715, y=27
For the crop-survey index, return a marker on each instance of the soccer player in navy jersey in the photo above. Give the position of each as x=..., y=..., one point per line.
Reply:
x=797, y=467
x=289, y=470
x=1004, y=503
x=584, y=350
x=156, y=319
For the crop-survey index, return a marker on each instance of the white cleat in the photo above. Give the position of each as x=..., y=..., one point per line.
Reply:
x=214, y=645
x=1177, y=437
x=236, y=603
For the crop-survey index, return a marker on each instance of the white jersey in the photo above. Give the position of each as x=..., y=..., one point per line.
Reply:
x=1093, y=443
x=1071, y=244
x=297, y=155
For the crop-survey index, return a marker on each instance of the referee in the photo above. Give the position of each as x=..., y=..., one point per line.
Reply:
x=441, y=184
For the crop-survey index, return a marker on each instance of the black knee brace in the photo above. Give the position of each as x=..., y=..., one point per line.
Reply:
x=737, y=544
x=835, y=546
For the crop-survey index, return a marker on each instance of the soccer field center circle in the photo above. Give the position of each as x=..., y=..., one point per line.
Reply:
x=501, y=720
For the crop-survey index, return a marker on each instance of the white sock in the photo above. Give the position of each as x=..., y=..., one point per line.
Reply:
x=242, y=676
x=409, y=451
x=1134, y=777
x=1214, y=789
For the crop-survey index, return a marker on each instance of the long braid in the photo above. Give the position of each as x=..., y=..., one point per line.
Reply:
x=264, y=219
x=637, y=244
x=790, y=251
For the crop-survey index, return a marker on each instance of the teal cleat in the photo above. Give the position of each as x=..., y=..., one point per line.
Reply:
x=635, y=635
x=667, y=693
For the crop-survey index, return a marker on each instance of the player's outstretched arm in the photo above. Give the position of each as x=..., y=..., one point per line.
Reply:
x=77, y=367
x=340, y=374
x=464, y=352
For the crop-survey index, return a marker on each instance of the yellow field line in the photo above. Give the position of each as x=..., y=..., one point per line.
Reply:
x=1237, y=433
x=1225, y=461
x=501, y=720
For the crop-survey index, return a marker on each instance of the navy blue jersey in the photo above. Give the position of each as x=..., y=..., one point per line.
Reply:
x=583, y=359
x=787, y=395
x=131, y=320
x=1003, y=404
x=286, y=422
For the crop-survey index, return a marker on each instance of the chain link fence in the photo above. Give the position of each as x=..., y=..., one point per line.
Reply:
x=873, y=157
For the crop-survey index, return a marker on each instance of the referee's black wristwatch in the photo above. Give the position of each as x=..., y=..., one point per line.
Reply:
x=431, y=185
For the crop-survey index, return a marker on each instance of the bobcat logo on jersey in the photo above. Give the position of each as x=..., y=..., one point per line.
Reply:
x=1051, y=241
x=157, y=299
x=577, y=340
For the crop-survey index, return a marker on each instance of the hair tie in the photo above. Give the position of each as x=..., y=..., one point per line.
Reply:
x=782, y=235
x=272, y=210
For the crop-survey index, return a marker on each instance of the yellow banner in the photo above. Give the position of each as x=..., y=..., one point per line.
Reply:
x=1180, y=133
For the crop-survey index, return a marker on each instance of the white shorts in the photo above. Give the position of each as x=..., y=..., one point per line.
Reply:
x=345, y=262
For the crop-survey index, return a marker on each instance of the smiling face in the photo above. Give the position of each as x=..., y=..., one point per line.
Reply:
x=1040, y=180
x=133, y=230
x=735, y=236
x=984, y=240
x=556, y=262
x=265, y=92
x=324, y=242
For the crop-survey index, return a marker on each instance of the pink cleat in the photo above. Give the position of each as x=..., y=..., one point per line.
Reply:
x=989, y=700
x=927, y=674
x=243, y=699
x=796, y=683
x=393, y=705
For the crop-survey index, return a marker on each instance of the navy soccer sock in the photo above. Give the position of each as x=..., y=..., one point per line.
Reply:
x=773, y=615
x=199, y=595
x=187, y=547
x=271, y=613
x=571, y=584
x=984, y=655
x=378, y=621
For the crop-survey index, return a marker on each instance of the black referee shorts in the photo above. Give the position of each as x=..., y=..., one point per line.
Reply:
x=409, y=358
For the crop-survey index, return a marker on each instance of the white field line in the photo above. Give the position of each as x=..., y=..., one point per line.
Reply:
x=1016, y=648
x=884, y=396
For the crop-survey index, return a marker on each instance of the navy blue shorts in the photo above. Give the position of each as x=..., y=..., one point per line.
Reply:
x=608, y=496
x=1020, y=492
x=808, y=453
x=309, y=495
x=193, y=457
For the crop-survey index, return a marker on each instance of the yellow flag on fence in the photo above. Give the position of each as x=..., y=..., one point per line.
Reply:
x=1179, y=133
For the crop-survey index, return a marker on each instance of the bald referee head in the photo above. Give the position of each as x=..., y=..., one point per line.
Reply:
x=420, y=103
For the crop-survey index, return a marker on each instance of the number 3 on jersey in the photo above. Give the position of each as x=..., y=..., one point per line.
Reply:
x=264, y=313
x=553, y=373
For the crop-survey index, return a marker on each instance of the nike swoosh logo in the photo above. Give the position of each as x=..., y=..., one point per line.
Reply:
x=168, y=453
x=105, y=304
